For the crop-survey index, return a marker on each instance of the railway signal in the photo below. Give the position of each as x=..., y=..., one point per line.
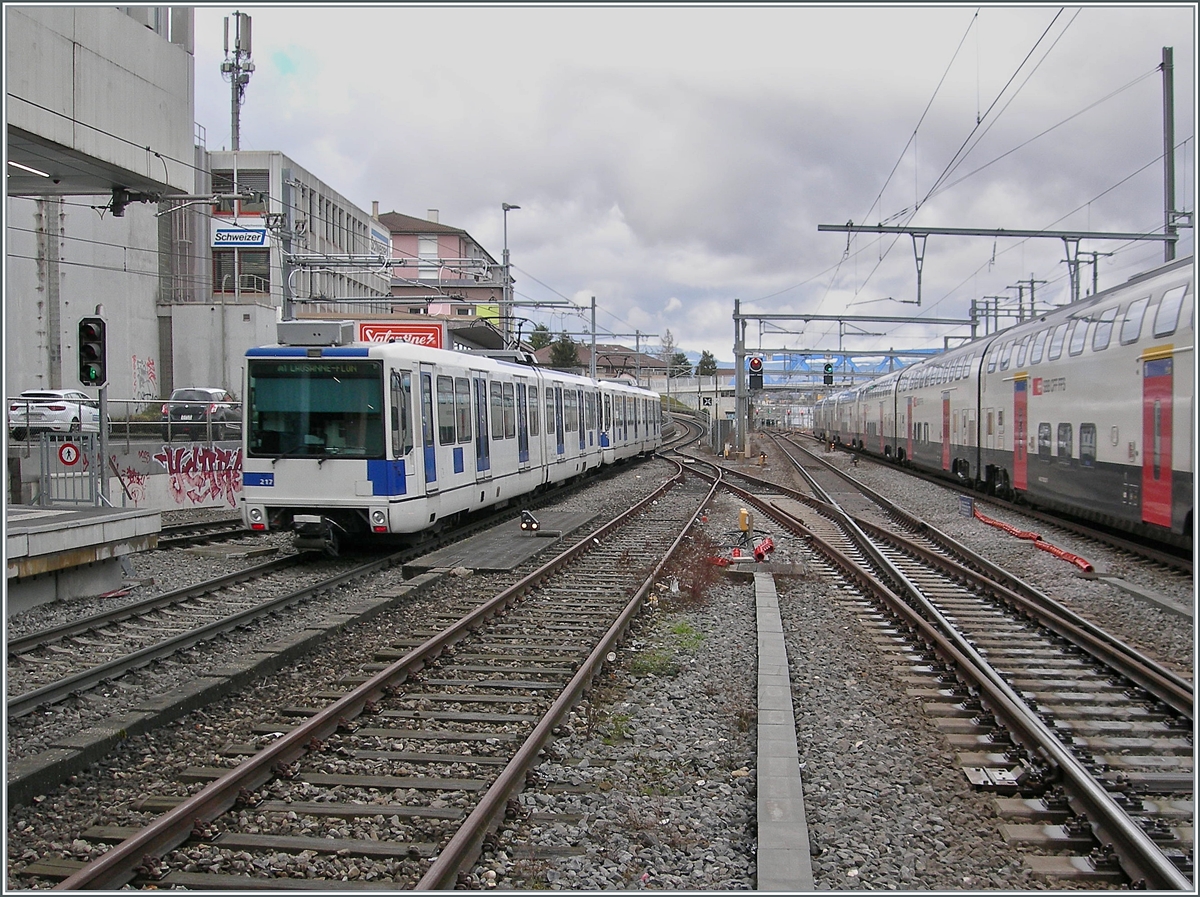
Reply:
x=93, y=351
x=756, y=372
x=829, y=373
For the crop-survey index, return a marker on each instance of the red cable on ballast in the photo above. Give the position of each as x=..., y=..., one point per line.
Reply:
x=1038, y=542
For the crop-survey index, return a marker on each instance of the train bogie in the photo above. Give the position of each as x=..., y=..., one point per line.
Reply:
x=1088, y=409
x=345, y=441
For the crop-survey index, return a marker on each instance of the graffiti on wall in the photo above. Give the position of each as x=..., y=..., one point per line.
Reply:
x=199, y=473
x=145, y=379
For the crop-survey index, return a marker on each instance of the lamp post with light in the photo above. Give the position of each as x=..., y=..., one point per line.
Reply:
x=506, y=302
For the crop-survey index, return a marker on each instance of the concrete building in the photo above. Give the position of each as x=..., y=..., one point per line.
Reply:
x=109, y=205
x=100, y=121
x=252, y=280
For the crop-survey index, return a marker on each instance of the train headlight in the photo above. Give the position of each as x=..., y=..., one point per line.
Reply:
x=379, y=520
x=256, y=519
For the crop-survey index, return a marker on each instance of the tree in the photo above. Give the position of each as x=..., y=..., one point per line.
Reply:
x=707, y=365
x=668, y=346
x=679, y=366
x=540, y=337
x=564, y=354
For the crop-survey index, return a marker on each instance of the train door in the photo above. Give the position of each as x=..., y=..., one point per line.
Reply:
x=581, y=417
x=522, y=427
x=945, y=430
x=428, y=431
x=402, y=433
x=909, y=429
x=1157, y=431
x=881, y=429
x=483, y=446
x=1020, y=428
x=560, y=440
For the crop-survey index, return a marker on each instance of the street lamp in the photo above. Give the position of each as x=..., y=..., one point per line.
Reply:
x=506, y=301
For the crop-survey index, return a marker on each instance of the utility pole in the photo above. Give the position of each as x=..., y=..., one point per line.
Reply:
x=739, y=378
x=506, y=303
x=1168, y=70
x=238, y=69
x=1096, y=268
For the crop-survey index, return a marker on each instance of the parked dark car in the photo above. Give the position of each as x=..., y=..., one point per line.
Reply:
x=201, y=412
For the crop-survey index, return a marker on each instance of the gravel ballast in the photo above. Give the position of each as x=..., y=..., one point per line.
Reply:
x=667, y=737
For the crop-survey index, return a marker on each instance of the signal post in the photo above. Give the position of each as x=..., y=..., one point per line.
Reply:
x=93, y=371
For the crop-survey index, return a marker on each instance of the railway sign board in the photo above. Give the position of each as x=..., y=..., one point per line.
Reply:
x=68, y=454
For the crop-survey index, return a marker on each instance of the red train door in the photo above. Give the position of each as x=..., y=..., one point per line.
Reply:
x=1020, y=426
x=1157, y=390
x=945, y=431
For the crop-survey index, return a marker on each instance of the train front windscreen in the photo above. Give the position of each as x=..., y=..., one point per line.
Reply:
x=314, y=408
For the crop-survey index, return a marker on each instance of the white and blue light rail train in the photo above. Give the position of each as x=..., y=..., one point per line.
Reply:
x=1089, y=409
x=342, y=442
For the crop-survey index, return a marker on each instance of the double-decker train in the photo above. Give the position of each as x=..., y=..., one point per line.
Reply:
x=1088, y=409
x=347, y=440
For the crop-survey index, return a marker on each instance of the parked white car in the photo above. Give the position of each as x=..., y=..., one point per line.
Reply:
x=57, y=410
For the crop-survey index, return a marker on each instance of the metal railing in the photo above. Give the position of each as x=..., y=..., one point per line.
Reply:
x=129, y=421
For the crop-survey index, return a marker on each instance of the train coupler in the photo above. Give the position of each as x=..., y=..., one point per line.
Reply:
x=315, y=533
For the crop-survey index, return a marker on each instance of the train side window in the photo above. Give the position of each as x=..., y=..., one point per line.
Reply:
x=607, y=413
x=497, y=411
x=510, y=411
x=1066, y=445
x=445, y=410
x=993, y=358
x=533, y=411
x=1057, y=335
x=426, y=410
x=1103, y=332
x=462, y=408
x=1166, y=319
x=549, y=410
x=1006, y=355
x=1131, y=328
x=1087, y=445
x=1043, y=442
x=1039, y=344
x=571, y=409
x=1078, y=337
x=1022, y=348
x=402, y=435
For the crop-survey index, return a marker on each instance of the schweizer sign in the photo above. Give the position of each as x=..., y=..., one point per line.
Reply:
x=432, y=335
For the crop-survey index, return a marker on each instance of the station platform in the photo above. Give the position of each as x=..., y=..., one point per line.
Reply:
x=506, y=546
x=55, y=554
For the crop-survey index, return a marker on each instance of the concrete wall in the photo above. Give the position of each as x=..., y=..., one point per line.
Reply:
x=63, y=259
x=96, y=81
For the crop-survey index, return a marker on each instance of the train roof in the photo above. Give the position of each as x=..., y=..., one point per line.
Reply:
x=430, y=355
x=1018, y=331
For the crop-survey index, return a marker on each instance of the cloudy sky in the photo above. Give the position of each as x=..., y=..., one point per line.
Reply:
x=670, y=159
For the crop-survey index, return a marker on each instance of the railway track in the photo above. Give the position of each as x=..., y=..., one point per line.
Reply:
x=183, y=535
x=52, y=665
x=1045, y=709
x=434, y=734
x=1160, y=556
